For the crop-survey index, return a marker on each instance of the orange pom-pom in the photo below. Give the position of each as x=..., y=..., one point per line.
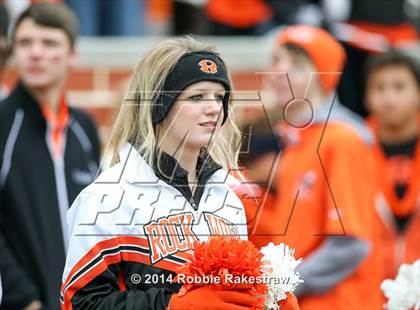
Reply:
x=230, y=260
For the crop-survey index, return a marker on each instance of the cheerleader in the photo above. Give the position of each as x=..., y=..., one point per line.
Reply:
x=168, y=187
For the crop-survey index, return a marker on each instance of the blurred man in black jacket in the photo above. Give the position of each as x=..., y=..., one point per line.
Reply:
x=48, y=153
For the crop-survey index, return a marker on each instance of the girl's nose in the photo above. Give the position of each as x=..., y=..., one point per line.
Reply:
x=214, y=106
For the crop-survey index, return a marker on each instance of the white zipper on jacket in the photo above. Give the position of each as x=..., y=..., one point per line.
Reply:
x=61, y=184
x=10, y=144
x=86, y=146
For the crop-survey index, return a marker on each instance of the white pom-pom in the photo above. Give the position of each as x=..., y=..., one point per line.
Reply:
x=403, y=293
x=279, y=269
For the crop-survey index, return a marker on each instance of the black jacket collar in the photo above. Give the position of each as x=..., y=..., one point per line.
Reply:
x=176, y=176
x=23, y=98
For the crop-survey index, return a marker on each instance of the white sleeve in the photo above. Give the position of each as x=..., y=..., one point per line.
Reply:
x=242, y=227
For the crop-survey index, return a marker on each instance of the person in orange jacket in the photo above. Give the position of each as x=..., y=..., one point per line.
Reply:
x=393, y=100
x=325, y=188
x=239, y=17
x=368, y=28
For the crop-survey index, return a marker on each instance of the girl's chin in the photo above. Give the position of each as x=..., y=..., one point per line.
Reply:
x=198, y=144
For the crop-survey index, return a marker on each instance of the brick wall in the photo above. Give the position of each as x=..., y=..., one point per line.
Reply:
x=99, y=90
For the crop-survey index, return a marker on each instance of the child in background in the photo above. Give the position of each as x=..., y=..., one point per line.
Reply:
x=393, y=100
x=325, y=191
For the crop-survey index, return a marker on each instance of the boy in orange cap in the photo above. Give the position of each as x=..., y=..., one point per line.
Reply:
x=325, y=190
x=393, y=99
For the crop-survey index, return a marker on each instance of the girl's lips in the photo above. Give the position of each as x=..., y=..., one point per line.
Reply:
x=208, y=124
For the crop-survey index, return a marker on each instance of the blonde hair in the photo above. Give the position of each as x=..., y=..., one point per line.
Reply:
x=134, y=121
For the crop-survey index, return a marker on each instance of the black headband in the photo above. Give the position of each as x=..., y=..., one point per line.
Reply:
x=191, y=68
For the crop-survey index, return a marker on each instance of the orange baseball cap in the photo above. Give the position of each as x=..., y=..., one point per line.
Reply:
x=325, y=51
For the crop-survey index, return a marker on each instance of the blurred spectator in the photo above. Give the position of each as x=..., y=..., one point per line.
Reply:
x=4, y=51
x=393, y=100
x=259, y=158
x=370, y=27
x=325, y=190
x=159, y=14
x=3, y=56
x=15, y=8
x=239, y=17
x=308, y=12
x=260, y=149
x=189, y=17
x=109, y=17
x=4, y=23
x=48, y=153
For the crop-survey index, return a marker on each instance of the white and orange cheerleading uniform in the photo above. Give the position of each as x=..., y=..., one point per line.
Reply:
x=134, y=227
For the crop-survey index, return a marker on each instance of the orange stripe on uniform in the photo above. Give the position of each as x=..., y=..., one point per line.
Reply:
x=68, y=292
x=69, y=289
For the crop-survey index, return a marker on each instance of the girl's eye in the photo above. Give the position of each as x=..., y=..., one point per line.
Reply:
x=219, y=97
x=196, y=98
